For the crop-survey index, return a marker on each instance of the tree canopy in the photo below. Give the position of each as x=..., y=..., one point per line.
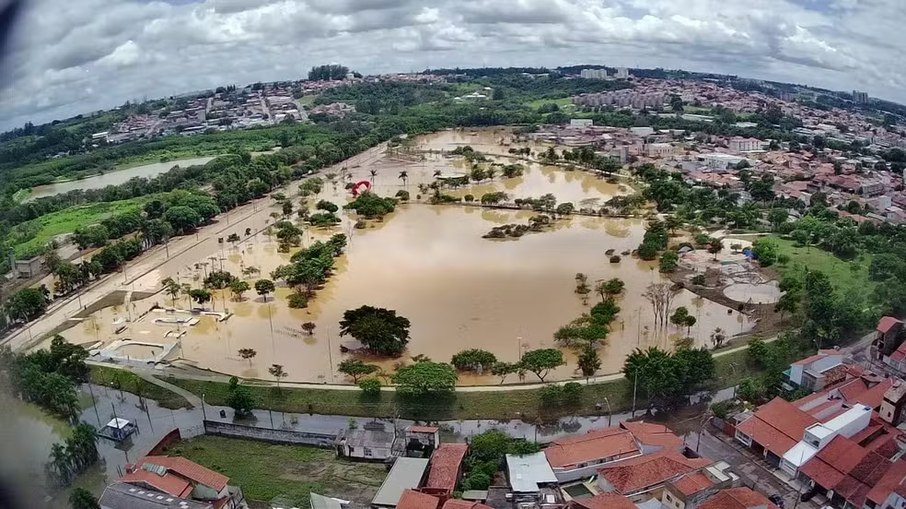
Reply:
x=380, y=330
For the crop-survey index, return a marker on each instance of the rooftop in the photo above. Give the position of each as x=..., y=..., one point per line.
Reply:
x=777, y=425
x=692, y=483
x=886, y=323
x=446, y=462
x=653, y=434
x=121, y=495
x=464, y=504
x=406, y=473
x=596, y=444
x=412, y=499
x=603, y=501
x=528, y=471
x=634, y=474
x=737, y=498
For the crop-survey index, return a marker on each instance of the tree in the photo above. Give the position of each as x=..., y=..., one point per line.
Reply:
x=276, y=371
x=182, y=218
x=777, y=217
x=247, y=354
x=356, y=369
x=27, y=304
x=238, y=287
x=765, y=250
x=612, y=287
x=239, y=398
x=474, y=360
x=379, y=329
x=541, y=361
x=404, y=176
x=327, y=206
x=669, y=261
x=264, y=287
x=682, y=318
x=309, y=327
x=287, y=208
x=200, y=295
x=80, y=498
x=715, y=246
x=589, y=361
x=370, y=387
x=788, y=303
x=502, y=369
x=718, y=337
x=424, y=378
x=172, y=288
x=565, y=208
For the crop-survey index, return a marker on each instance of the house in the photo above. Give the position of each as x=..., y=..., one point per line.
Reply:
x=644, y=477
x=818, y=435
x=740, y=144
x=602, y=501
x=406, y=473
x=464, y=504
x=659, y=150
x=891, y=409
x=774, y=429
x=815, y=372
x=575, y=457
x=372, y=442
x=889, y=337
x=445, y=469
x=580, y=123
x=182, y=478
x=28, y=268
x=421, y=440
x=690, y=489
x=528, y=474
x=737, y=498
x=411, y=499
x=653, y=437
x=121, y=495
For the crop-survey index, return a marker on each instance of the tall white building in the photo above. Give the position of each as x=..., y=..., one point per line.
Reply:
x=860, y=97
x=622, y=73
x=593, y=74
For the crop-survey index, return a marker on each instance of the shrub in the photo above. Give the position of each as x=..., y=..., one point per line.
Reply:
x=698, y=279
x=615, y=259
x=370, y=386
x=572, y=393
x=297, y=300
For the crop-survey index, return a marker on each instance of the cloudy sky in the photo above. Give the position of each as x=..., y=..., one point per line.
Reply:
x=75, y=56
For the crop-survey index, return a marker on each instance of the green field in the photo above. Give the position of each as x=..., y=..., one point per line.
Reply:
x=513, y=404
x=130, y=382
x=846, y=276
x=266, y=471
x=47, y=227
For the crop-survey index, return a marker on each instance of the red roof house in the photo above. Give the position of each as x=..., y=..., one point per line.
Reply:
x=737, y=498
x=777, y=426
x=603, y=501
x=445, y=468
x=182, y=478
x=579, y=456
x=646, y=473
x=412, y=499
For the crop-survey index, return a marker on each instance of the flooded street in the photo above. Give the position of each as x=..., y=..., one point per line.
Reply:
x=113, y=178
x=430, y=264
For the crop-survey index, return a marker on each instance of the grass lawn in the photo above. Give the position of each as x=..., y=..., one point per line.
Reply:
x=307, y=100
x=265, y=471
x=846, y=276
x=524, y=404
x=66, y=221
x=130, y=382
x=562, y=102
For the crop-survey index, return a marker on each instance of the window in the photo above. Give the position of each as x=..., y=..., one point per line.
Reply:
x=367, y=452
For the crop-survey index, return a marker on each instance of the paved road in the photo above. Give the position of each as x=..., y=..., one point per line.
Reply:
x=178, y=255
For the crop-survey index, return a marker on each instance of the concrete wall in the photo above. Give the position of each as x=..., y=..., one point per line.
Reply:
x=279, y=436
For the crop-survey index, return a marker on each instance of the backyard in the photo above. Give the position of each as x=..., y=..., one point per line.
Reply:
x=287, y=473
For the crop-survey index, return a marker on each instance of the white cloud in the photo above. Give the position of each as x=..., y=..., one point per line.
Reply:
x=82, y=55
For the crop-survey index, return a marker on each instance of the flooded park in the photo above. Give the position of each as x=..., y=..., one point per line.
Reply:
x=429, y=263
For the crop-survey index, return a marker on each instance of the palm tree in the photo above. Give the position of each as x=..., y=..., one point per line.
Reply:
x=437, y=173
x=404, y=176
x=276, y=371
x=247, y=354
x=373, y=173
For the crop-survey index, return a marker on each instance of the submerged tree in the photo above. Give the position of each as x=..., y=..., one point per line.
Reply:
x=660, y=296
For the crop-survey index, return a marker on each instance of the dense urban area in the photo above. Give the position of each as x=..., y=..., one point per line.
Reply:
x=583, y=288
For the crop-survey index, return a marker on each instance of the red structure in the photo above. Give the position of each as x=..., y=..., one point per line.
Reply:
x=357, y=185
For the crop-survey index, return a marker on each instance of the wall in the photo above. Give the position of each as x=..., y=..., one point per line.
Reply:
x=279, y=436
x=165, y=442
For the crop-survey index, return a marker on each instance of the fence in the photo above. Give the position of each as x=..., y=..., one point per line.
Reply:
x=279, y=436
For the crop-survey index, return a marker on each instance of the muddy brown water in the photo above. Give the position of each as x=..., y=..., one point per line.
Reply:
x=430, y=264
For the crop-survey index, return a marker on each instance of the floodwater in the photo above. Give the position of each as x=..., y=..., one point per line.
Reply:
x=139, y=351
x=28, y=434
x=113, y=178
x=430, y=264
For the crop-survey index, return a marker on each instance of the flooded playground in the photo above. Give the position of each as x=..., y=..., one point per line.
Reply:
x=427, y=262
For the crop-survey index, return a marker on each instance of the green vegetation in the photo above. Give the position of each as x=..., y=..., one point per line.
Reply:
x=846, y=276
x=371, y=205
x=487, y=451
x=380, y=330
x=267, y=471
x=124, y=380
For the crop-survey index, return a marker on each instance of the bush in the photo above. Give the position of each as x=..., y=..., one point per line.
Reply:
x=615, y=259
x=550, y=395
x=698, y=279
x=402, y=195
x=647, y=251
x=370, y=386
x=572, y=393
x=469, y=198
x=297, y=300
x=327, y=206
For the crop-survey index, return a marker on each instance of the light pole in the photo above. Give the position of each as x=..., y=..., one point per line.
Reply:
x=609, y=412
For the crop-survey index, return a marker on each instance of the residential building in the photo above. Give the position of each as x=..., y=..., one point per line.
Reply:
x=622, y=73
x=529, y=474
x=411, y=499
x=575, y=457
x=689, y=490
x=889, y=337
x=602, y=501
x=421, y=440
x=182, y=478
x=644, y=477
x=373, y=441
x=580, y=123
x=121, y=495
x=775, y=428
x=891, y=410
x=817, y=371
x=593, y=74
x=818, y=435
x=737, y=498
x=28, y=268
x=860, y=97
x=740, y=144
x=406, y=474
x=659, y=150
x=653, y=437
x=454, y=503
x=445, y=469
x=718, y=160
